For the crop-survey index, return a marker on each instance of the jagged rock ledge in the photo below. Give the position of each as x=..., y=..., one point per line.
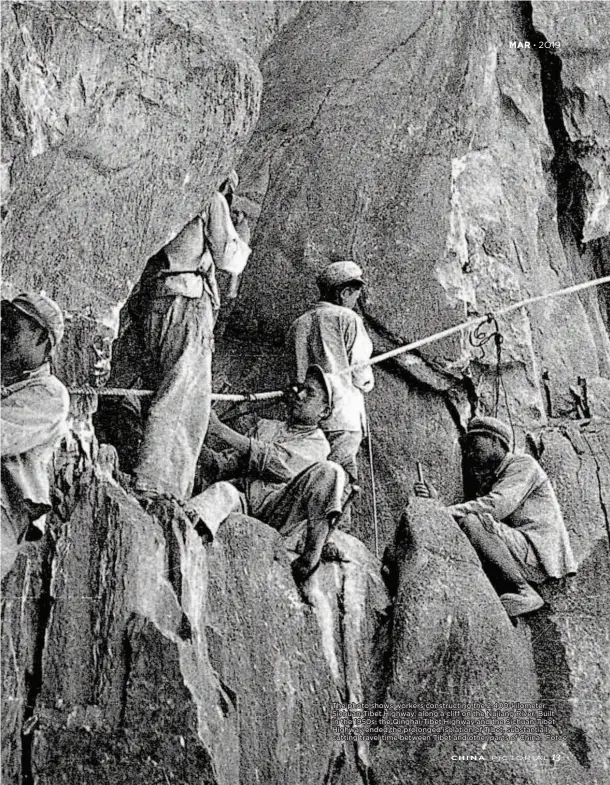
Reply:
x=103, y=681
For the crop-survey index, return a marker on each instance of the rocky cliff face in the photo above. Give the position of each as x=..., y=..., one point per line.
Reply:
x=463, y=174
x=119, y=120
x=458, y=171
x=133, y=653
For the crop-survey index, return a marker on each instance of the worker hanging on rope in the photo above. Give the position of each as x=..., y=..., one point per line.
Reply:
x=513, y=521
x=333, y=336
x=280, y=472
x=165, y=344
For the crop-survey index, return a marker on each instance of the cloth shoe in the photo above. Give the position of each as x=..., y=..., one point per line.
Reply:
x=525, y=600
x=330, y=552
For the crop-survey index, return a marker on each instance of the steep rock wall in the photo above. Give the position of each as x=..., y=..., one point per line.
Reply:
x=434, y=172
x=119, y=120
x=471, y=654
x=413, y=138
x=107, y=682
x=103, y=679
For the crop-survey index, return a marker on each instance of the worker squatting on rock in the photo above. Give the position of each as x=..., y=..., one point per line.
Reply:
x=165, y=344
x=285, y=475
x=34, y=415
x=514, y=522
x=333, y=336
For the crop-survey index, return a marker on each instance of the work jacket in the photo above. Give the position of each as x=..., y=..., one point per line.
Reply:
x=207, y=243
x=34, y=419
x=186, y=267
x=278, y=452
x=335, y=338
x=522, y=496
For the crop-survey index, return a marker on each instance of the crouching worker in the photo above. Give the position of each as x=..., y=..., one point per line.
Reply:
x=34, y=413
x=514, y=522
x=286, y=477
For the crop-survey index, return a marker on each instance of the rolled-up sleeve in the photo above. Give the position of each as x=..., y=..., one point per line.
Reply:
x=228, y=250
x=225, y=465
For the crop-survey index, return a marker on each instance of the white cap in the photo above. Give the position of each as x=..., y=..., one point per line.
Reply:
x=339, y=273
x=44, y=311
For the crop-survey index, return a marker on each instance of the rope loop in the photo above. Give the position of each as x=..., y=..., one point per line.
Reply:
x=484, y=332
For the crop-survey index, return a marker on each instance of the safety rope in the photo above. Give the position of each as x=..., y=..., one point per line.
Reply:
x=474, y=322
x=118, y=392
x=482, y=334
x=471, y=323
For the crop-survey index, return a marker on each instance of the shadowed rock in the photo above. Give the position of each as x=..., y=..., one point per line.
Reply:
x=452, y=643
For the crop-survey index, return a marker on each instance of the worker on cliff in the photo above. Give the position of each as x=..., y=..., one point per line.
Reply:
x=285, y=473
x=333, y=336
x=34, y=414
x=165, y=344
x=242, y=227
x=514, y=521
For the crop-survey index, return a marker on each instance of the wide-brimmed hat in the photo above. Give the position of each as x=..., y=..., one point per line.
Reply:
x=43, y=310
x=490, y=426
x=339, y=273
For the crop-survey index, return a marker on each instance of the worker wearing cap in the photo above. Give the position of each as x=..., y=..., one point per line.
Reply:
x=285, y=473
x=165, y=344
x=333, y=336
x=34, y=413
x=514, y=521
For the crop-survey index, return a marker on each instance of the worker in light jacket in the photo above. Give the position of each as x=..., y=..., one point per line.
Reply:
x=165, y=344
x=34, y=413
x=333, y=336
x=280, y=473
x=514, y=521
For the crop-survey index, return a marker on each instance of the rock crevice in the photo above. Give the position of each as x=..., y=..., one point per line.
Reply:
x=463, y=175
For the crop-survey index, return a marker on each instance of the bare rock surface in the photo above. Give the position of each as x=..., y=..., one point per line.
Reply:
x=574, y=665
x=119, y=120
x=110, y=680
x=463, y=174
x=435, y=173
x=470, y=654
x=580, y=42
x=110, y=677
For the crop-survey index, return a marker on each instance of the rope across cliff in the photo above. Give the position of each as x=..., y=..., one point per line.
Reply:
x=275, y=394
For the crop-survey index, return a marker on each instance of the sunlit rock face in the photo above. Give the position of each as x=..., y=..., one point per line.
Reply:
x=415, y=139
x=107, y=683
x=119, y=119
x=430, y=144
x=464, y=174
x=470, y=655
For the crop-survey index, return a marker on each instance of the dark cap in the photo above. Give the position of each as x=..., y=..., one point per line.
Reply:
x=490, y=426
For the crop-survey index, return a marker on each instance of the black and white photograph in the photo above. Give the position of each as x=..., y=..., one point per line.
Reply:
x=305, y=414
